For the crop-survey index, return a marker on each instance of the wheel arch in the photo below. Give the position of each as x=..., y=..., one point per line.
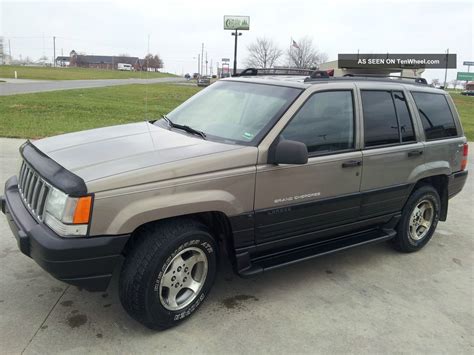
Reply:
x=217, y=222
x=440, y=183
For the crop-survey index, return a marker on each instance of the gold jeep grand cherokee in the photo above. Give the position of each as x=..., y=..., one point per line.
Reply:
x=262, y=170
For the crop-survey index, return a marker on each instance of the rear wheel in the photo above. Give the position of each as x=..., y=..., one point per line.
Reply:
x=168, y=273
x=420, y=217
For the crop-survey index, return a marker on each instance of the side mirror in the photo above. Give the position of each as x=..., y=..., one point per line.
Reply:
x=289, y=152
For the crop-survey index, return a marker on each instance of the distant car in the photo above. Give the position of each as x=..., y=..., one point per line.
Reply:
x=468, y=92
x=195, y=75
x=187, y=76
x=203, y=81
x=124, y=66
x=214, y=76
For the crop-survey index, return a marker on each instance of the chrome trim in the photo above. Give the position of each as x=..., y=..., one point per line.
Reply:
x=33, y=190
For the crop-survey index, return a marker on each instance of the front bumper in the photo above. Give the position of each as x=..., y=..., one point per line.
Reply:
x=85, y=262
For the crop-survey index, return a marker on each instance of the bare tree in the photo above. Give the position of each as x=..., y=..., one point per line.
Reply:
x=263, y=53
x=303, y=54
x=435, y=82
x=153, y=61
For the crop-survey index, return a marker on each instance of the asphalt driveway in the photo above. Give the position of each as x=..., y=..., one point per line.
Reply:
x=365, y=300
x=19, y=86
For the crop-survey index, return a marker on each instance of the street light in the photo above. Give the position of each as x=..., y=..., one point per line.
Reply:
x=236, y=34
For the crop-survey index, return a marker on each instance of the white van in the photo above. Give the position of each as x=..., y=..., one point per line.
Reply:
x=124, y=66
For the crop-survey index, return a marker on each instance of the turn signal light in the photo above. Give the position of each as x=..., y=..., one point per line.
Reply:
x=465, y=151
x=83, y=210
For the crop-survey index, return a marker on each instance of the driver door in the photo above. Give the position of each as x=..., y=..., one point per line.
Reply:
x=297, y=204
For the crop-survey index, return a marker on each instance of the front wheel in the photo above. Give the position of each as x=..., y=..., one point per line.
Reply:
x=168, y=274
x=420, y=217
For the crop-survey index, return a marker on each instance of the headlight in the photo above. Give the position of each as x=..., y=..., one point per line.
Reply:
x=67, y=216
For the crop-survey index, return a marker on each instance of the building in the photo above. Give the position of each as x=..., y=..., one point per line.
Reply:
x=99, y=61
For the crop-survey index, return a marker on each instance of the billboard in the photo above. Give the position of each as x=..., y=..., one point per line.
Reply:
x=241, y=23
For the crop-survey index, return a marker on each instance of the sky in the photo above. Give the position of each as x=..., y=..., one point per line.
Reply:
x=176, y=28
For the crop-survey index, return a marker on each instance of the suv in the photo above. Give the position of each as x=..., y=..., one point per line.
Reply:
x=265, y=170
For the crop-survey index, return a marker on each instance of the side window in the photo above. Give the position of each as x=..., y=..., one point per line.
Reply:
x=325, y=123
x=404, y=118
x=437, y=119
x=380, y=118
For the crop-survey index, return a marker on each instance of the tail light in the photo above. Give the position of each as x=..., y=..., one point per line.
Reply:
x=464, y=156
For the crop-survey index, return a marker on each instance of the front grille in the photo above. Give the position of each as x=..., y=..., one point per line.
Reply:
x=33, y=189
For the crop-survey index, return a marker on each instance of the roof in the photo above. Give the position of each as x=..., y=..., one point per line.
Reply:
x=62, y=58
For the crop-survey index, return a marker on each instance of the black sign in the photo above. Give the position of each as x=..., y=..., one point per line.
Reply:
x=397, y=61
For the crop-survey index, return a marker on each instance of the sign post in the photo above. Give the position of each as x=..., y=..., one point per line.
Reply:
x=236, y=24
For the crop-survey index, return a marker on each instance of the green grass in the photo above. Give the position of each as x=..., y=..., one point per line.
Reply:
x=50, y=113
x=465, y=107
x=48, y=73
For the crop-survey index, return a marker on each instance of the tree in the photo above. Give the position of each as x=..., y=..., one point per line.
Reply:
x=153, y=61
x=263, y=53
x=303, y=54
x=435, y=82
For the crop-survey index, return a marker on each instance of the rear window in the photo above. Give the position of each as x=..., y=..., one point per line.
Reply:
x=437, y=118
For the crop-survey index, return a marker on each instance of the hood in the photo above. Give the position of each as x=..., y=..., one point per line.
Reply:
x=105, y=152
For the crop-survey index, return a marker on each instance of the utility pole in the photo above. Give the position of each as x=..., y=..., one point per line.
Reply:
x=236, y=34
x=54, y=51
x=10, y=51
x=202, y=58
x=199, y=64
x=210, y=70
x=446, y=69
x=206, y=63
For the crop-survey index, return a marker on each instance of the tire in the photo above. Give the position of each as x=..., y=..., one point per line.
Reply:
x=420, y=216
x=168, y=273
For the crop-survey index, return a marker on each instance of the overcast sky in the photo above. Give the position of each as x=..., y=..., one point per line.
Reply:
x=177, y=28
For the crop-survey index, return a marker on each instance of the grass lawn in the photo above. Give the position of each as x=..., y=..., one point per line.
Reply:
x=465, y=106
x=50, y=113
x=48, y=73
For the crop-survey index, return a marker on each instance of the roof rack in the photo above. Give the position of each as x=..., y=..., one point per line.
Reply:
x=369, y=76
x=377, y=77
x=275, y=71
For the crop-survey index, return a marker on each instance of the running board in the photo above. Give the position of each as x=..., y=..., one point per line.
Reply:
x=274, y=261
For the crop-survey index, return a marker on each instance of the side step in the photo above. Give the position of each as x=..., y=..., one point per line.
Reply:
x=306, y=252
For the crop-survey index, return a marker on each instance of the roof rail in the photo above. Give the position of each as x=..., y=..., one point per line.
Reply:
x=370, y=76
x=275, y=71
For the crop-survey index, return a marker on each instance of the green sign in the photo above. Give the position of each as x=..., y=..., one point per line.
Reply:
x=465, y=76
x=237, y=23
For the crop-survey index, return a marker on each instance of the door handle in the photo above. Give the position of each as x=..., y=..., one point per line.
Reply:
x=415, y=153
x=351, y=163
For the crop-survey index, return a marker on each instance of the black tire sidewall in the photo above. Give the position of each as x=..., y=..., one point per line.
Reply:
x=157, y=313
x=424, y=193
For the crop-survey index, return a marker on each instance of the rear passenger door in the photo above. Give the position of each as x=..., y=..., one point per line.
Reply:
x=391, y=152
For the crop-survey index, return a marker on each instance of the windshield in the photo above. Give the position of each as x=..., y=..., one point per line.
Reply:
x=235, y=112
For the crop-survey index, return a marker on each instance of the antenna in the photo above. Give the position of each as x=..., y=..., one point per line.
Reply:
x=146, y=84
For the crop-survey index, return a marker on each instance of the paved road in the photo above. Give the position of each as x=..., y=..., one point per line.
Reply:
x=12, y=87
x=365, y=300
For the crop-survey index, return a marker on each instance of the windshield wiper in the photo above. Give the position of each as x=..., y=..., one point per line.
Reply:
x=184, y=127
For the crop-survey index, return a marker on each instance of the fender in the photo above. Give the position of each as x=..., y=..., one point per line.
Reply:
x=123, y=211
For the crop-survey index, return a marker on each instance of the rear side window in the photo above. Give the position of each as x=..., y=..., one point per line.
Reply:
x=380, y=118
x=325, y=123
x=387, y=119
x=437, y=119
